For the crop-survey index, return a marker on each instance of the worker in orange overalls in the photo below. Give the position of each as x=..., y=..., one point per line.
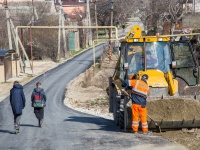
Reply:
x=140, y=91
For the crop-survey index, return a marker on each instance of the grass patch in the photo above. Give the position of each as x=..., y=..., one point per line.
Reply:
x=6, y=82
x=72, y=53
x=98, y=102
x=30, y=75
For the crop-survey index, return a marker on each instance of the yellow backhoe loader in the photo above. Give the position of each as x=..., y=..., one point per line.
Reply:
x=166, y=62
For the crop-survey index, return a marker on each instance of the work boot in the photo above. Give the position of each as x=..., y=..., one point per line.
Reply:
x=147, y=133
x=135, y=132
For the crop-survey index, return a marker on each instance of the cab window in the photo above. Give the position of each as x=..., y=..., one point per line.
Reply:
x=182, y=55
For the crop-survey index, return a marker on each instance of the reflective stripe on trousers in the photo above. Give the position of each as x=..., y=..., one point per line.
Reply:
x=135, y=124
x=136, y=111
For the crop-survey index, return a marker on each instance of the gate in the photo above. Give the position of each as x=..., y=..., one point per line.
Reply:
x=71, y=41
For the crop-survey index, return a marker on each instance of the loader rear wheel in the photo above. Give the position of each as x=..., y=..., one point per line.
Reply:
x=116, y=102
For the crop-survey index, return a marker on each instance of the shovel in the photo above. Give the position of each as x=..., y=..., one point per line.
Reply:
x=158, y=129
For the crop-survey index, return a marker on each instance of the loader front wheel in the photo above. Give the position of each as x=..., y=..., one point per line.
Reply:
x=125, y=114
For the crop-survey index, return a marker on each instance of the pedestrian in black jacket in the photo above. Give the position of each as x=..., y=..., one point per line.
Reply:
x=39, y=95
x=17, y=102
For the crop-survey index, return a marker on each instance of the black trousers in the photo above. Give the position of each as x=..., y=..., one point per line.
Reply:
x=17, y=118
x=39, y=113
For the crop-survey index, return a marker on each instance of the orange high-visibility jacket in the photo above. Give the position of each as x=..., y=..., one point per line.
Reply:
x=139, y=87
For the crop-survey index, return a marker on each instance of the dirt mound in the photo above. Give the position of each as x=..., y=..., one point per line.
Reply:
x=174, y=109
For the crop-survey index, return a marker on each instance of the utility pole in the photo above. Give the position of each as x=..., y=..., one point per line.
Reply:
x=194, y=7
x=8, y=25
x=64, y=35
x=89, y=23
x=110, y=33
x=111, y=17
x=31, y=39
x=22, y=55
x=95, y=12
x=33, y=15
x=59, y=30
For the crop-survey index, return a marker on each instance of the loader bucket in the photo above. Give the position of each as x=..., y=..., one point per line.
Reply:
x=174, y=113
x=169, y=125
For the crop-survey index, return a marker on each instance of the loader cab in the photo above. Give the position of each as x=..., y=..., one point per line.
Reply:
x=184, y=62
x=143, y=56
x=157, y=53
x=176, y=56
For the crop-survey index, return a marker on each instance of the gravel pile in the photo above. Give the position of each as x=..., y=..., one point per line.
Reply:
x=91, y=111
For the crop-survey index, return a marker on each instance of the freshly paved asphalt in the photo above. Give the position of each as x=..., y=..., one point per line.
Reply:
x=64, y=128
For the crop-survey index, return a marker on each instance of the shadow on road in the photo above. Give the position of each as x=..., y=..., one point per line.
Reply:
x=28, y=125
x=7, y=131
x=104, y=124
x=13, y=132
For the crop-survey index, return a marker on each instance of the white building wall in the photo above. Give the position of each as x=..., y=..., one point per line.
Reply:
x=197, y=6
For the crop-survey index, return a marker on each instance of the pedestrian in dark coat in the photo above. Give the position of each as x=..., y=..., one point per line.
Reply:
x=17, y=102
x=39, y=111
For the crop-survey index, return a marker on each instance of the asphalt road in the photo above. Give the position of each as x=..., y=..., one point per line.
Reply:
x=64, y=128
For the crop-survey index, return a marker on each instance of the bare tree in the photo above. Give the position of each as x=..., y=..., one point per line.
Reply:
x=176, y=12
x=44, y=41
x=123, y=9
x=158, y=12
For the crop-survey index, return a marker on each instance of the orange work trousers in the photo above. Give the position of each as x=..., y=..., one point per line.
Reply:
x=136, y=111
